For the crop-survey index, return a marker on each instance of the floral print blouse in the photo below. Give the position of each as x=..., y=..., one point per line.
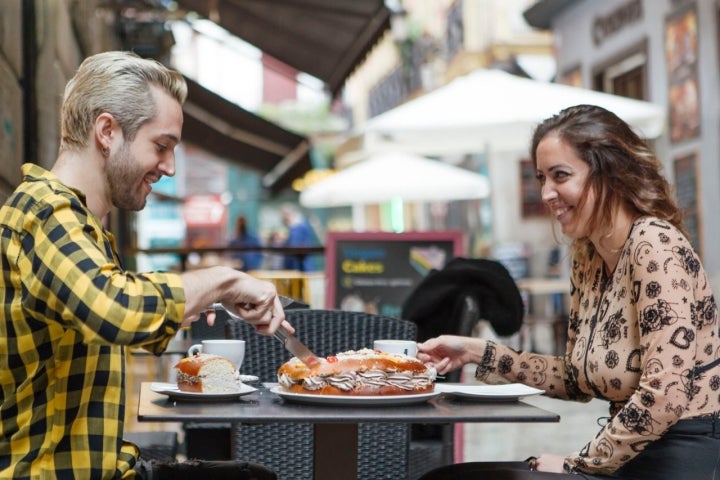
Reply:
x=643, y=338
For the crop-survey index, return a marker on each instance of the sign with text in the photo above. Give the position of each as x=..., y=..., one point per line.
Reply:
x=375, y=272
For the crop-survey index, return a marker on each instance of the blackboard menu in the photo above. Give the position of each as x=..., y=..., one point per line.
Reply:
x=375, y=272
x=686, y=191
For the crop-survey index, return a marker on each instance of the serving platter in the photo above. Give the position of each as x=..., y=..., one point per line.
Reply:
x=495, y=393
x=355, y=400
x=174, y=393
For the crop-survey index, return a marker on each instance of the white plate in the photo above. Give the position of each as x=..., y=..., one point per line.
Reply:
x=355, y=400
x=507, y=392
x=172, y=391
x=249, y=378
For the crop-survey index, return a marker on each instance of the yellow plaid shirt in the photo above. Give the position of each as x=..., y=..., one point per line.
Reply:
x=69, y=310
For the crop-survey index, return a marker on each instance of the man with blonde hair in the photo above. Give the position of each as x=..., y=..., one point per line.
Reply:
x=70, y=308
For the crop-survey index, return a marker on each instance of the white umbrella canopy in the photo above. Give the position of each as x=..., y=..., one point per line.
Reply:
x=492, y=109
x=385, y=177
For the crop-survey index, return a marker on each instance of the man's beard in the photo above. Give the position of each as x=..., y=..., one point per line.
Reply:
x=124, y=177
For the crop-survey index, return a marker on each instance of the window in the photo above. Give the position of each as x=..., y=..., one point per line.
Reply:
x=626, y=77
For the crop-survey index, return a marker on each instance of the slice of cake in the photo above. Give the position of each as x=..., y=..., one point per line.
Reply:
x=361, y=372
x=205, y=373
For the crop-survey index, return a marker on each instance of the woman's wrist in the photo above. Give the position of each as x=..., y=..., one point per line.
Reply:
x=476, y=349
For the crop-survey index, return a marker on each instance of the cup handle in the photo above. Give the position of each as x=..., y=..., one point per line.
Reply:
x=197, y=348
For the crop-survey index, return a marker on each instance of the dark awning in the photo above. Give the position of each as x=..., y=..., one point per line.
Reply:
x=541, y=14
x=327, y=39
x=233, y=133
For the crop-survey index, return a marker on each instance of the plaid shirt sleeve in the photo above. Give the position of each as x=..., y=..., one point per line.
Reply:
x=69, y=308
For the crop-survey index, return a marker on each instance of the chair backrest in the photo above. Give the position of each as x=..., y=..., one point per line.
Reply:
x=383, y=448
x=200, y=330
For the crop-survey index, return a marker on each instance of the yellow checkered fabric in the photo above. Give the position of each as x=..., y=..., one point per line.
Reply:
x=68, y=311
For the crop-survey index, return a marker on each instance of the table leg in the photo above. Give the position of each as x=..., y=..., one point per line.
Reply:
x=336, y=450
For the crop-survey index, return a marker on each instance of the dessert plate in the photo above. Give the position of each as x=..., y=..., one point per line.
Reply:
x=355, y=400
x=493, y=393
x=172, y=391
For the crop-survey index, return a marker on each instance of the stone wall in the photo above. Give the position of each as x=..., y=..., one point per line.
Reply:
x=66, y=31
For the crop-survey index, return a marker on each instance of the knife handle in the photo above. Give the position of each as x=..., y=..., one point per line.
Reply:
x=281, y=334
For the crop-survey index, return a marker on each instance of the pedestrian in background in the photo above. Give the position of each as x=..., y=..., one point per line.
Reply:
x=250, y=259
x=300, y=234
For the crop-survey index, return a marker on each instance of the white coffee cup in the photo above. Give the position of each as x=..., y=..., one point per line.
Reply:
x=233, y=350
x=407, y=347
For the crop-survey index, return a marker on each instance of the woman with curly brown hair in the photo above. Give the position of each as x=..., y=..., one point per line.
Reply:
x=643, y=325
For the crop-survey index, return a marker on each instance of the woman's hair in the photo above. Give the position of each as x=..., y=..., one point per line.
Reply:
x=117, y=83
x=624, y=172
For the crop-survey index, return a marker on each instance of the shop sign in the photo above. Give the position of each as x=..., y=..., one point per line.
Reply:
x=608, y=25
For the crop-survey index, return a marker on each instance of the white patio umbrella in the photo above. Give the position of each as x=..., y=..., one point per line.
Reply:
x=492, y=110
x=397, y=175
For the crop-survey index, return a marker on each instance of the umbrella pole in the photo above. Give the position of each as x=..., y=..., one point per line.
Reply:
x=358, y=217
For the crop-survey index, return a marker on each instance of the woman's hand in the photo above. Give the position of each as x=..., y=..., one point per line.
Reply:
x=548, y=463
x=450, y=352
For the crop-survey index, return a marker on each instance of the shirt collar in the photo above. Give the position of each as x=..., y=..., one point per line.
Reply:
x=35, y=173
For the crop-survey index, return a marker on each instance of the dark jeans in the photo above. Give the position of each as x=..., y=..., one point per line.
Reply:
x=202, y=470
x=689, y=449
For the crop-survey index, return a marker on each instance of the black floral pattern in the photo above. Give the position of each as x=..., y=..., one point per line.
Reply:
x=647, y=399
x=611, y=330
x=656, y=316
x=612, y=359
x=487, y=364
x=505, y=364
x=636, y=420
x=653, y=289
x=704, y=313
x=689, y=260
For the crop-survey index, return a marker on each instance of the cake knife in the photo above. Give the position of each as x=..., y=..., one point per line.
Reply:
x=289, y=341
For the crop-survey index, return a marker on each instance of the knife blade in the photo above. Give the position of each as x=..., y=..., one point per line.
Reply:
x=296, y=347
x=291, y=343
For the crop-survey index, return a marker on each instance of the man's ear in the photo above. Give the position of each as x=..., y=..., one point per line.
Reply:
x=104, y=132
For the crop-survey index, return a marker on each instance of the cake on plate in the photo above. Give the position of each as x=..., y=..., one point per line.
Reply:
x=206, y=373
x=358, y=372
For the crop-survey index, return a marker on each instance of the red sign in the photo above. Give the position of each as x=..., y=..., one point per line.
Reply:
x=204, y=210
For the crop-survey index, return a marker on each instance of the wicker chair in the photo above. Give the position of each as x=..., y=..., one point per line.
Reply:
x=288, y=449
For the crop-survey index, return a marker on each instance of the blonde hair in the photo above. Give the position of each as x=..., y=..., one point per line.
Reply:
x=118, y=83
